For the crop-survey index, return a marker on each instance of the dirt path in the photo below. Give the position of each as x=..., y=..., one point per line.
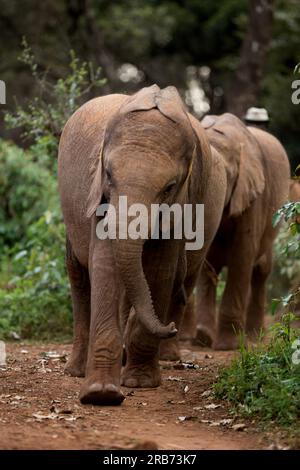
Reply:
x=39, y=408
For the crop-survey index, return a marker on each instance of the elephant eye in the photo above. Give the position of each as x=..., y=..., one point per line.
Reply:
x=169, y=187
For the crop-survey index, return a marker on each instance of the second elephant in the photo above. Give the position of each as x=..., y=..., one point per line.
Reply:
x=257, y=171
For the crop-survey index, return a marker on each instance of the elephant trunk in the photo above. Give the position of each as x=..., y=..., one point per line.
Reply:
x=128, y=255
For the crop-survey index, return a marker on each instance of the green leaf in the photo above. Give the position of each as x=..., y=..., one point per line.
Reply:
x=276, y=218
x=274, y=305
x=293, y=229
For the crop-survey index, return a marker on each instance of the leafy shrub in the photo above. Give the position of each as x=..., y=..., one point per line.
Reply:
x=264, y=380
x=43, y=118
x=34, y=289
x=35, y=301
x=26, y=191
x=289, y=253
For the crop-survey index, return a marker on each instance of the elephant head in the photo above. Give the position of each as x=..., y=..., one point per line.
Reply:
x=243, y=160
x=148, y=152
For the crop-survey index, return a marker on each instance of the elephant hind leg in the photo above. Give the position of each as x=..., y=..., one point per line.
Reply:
x=256, y=307
x=169, y=348
x=206, y=306
x=80, y=292
x=233, y=308
x=188, y=327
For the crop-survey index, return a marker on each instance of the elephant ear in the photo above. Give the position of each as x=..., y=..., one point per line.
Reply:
x=96, y=190
x=143, y=100
x=167, y=101
x=243, y=159
x=250, y=181
x=171, y=106
x=203, y=149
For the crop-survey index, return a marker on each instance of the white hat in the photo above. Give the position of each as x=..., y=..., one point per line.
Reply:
x=257, y=114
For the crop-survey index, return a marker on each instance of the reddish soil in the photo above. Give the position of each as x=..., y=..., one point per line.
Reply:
x=39, y=408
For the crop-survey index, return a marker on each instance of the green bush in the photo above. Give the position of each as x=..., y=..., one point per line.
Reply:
x=264, y=381
x=26, y=191
x=35, y=299
x=43, y=118
x=34, y=289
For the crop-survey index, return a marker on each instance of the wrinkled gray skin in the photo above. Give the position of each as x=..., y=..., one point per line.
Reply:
x=146, y=147
x=257, y=170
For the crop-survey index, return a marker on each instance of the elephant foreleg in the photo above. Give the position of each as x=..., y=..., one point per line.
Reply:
x=142, y=348
x=80, y=292
x=102, y=383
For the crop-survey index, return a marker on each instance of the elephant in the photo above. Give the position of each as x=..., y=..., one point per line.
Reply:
x=148, y=148
x=257, y=174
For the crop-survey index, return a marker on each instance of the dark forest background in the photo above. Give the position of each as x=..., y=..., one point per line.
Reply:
x=239, y=53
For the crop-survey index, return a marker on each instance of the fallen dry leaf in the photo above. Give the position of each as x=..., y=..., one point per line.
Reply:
x=239, y=427
x=174, y=402
x=175, y=379
x=212, y=406
x=187, y=418
x=185, y=365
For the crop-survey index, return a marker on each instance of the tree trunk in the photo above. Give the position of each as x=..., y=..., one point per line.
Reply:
x=246, y=84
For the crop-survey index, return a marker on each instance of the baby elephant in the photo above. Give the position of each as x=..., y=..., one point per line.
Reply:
x=257, y=171
x=148, y=148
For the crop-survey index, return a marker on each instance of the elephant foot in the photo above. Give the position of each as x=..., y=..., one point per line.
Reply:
x=226, y=342
x=169, y=350
x=141, y=375
x=204, y=336
x=75, y=368
x=101, y=394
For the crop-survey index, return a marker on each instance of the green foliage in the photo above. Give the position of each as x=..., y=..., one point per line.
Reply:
x=264, y=380
x=287, y=256
x=43, y=118
x=35, y=302
x=26, y=190
x=286, y=268
x=34, y=290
